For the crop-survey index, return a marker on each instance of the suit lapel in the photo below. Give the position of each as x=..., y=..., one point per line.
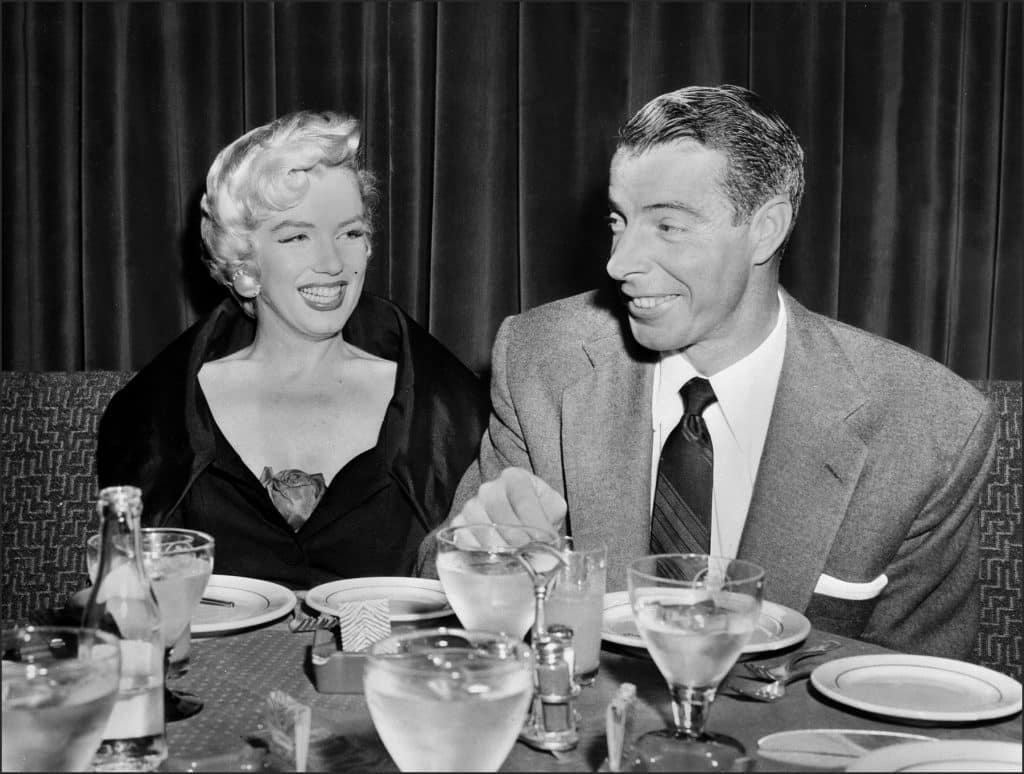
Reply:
x=811, y=461
x=606, y=449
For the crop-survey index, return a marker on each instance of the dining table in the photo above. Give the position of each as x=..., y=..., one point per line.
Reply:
x=235, y=673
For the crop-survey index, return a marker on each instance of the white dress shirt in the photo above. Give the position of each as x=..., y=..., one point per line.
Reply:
x=737, y=422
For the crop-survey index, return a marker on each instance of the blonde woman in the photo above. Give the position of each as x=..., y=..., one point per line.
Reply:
x=316, y=431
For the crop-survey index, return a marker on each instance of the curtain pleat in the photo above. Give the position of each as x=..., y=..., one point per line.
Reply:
x=252, y=30
x=403, y=270
x=807, y=46
x=1005, y=342
x=474, y=244
x=976, y=203
x=567, y=133
x=490, y=127
x=929, y=124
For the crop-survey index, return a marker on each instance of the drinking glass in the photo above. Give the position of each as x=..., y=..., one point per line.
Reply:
x=179, y=563
x=59, y=687
x=695, y=613
x=181, y=649
x=448, y=699
x=576, y=600
x=483, y=577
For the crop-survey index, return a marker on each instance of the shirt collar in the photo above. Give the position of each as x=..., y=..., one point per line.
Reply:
x=745, y=390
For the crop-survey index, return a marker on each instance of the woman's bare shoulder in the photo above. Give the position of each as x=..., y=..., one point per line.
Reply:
x=227, y=373
x=229, y=362
x=359, y=361
x=352, y=352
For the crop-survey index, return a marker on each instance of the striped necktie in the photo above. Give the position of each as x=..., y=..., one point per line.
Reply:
x=681, y=519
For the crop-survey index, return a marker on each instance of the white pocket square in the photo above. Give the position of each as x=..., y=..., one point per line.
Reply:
x=834, y=587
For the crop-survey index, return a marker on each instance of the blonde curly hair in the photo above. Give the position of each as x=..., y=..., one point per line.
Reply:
x=267, y=170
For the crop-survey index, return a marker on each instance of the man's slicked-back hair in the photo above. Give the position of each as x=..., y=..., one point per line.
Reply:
x=764, y=157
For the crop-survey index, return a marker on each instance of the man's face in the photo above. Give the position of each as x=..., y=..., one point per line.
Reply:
x=684, y=270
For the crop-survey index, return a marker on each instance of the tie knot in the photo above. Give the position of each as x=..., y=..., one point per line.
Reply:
x=697, y=396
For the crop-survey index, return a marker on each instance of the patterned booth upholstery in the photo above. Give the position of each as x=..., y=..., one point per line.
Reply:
x=48, y=450
x=999, y=637
x=49, y=489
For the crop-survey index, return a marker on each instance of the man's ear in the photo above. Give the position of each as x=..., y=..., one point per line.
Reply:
x=769, y=226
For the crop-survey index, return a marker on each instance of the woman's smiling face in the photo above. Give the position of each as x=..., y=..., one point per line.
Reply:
x=312, y=257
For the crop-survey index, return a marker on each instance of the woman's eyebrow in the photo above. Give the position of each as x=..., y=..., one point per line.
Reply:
x=305, y=224
x=290, y=224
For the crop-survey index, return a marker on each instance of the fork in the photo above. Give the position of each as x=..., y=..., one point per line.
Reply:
x=302, y=622
x=773, y=691
x=783, y=670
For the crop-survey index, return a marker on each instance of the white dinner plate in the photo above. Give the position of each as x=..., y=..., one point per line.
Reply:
x=410, y=600
x=778, y=626
x=256, y=602
x=918, y=687
x=947, y=755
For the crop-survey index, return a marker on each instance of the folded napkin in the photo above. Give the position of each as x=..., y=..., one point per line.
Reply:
x=363, y=623
x=288, y=723
x=619, y=723
x=312, y=740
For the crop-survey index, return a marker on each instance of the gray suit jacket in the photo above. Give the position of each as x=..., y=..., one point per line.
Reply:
x=872, y=464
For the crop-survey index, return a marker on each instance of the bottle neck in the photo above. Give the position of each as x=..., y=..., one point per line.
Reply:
x=120, y=569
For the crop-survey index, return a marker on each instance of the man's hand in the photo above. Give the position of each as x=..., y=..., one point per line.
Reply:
x=515, y=497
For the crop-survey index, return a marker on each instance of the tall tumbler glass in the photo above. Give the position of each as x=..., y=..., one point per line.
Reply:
x=576, y=600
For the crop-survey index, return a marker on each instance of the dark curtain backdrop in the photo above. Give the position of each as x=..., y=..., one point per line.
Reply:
x=490, y=126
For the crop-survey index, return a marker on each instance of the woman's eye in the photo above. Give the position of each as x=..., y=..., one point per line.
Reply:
x=354, y=233
x=293, y=238
x=668, y=228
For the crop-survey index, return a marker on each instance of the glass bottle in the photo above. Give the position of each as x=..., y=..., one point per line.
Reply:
x=122, y=603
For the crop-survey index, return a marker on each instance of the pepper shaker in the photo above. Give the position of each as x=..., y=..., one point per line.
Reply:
x=552, y=723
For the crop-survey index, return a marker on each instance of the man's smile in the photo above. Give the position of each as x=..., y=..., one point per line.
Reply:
x=645, y=306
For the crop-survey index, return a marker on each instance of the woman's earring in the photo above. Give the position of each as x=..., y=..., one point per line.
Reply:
x=244, y=284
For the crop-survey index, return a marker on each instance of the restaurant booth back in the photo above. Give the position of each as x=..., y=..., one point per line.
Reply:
x=49, y=492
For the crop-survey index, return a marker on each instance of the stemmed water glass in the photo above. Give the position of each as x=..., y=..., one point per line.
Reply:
x=482, y=571
x=695, y=613
x=179, y=563
x=448, y=699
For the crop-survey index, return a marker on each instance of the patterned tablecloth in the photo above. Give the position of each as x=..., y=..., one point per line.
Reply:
x=234, y=675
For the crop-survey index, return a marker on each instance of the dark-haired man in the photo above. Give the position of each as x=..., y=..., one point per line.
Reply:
x=846, y=465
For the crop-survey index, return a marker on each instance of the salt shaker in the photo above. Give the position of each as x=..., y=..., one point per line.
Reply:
x=552, y=724
x=563, y=634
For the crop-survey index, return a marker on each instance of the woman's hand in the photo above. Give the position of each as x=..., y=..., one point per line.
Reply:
x=517, y=496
